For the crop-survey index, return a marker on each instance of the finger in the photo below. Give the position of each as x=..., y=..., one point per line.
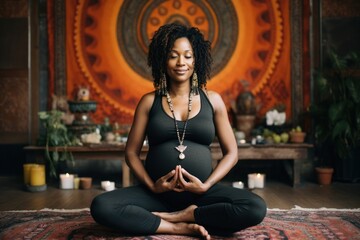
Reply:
x=182, y=180
x=169, y=175
x=178, y=188
x=178, y=169
x=186, y=174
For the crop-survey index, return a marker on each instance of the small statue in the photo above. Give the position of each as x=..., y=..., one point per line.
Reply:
x=83, y=94
x=60, y=103
x=245, y=104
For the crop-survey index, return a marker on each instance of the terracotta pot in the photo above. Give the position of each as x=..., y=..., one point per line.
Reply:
x=85, y=182
x=297, y=137
x=324, y=175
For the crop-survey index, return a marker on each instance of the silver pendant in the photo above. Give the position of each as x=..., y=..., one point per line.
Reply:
x=181, y=148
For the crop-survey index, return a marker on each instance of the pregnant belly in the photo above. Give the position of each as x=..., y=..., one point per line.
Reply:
x=163, y=158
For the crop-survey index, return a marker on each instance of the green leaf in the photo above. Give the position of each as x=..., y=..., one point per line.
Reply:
x=341, y=129
x=353, y=87
x=55, y=156
x=336, y=112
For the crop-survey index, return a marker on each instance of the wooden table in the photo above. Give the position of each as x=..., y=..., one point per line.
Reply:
x=294, y=152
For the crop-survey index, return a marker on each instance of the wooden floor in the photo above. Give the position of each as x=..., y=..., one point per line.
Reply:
x=276, y=194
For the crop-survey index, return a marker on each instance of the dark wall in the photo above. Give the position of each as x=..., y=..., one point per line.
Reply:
x=340, y=20
x=11, y=159
x=14, y=85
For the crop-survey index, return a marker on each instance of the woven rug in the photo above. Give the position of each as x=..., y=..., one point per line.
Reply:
x=297, y=223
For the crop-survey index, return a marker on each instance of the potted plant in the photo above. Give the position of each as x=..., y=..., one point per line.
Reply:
x=56, y=135
x=336, y=111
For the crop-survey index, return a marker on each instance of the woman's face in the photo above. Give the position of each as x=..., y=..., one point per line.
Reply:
x=180, y=64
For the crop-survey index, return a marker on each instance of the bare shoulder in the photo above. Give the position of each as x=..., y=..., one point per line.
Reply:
x=215, y=99
x=146, y=101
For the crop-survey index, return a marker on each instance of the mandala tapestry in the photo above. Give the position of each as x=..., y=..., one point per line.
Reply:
x=107, y=44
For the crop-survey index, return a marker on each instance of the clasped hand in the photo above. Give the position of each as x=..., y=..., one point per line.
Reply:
x=175, y=181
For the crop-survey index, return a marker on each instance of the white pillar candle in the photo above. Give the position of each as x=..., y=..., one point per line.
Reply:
x=238, y=184
x=108, y=185
x=259, y=180
x=66, y=181
x=104, y=184
x=251, y=180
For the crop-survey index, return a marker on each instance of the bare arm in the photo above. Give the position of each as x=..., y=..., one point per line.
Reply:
x=226, y=139
x=136, y=139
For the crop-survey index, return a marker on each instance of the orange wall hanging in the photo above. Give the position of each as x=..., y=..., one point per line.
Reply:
x=107, y=44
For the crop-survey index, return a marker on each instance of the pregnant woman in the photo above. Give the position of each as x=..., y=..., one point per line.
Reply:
x=179, y=191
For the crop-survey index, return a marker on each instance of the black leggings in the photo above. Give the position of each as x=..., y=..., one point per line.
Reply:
x=221, y=210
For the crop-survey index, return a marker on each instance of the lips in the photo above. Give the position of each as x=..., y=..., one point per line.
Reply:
x=180, y=71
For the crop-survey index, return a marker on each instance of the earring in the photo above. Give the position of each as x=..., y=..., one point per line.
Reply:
x=195, y=84
x=163, y=85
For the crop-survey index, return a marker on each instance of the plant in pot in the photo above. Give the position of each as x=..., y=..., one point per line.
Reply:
x=336, y=111
x=56, y=135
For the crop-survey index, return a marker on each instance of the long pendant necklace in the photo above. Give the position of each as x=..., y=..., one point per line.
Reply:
x=181, y=148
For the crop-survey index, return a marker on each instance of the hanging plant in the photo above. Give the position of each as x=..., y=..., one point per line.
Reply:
x=56, y=135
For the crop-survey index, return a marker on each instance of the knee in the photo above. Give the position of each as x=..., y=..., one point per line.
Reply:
x=99, y=209
x=257, y=210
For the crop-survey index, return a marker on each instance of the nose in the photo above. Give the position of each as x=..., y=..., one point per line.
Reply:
x=180, y=61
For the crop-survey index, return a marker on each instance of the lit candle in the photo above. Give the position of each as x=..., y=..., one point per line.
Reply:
x=66, y=181
x=110, y=186
x=259, y=180
x=251, y=180
x=238, y=184
x=104, y=184
x=37, y=175
x=26, y=170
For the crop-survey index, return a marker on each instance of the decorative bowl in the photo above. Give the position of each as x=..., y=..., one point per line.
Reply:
x=82, y=106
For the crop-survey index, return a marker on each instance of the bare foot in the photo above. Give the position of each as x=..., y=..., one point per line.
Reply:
x=182, y=228
x=191, y=229
x=185, y=215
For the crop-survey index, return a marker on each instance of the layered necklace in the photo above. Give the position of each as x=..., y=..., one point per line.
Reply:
x=181, y=148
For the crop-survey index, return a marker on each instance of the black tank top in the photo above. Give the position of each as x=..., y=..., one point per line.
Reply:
x=161, y=132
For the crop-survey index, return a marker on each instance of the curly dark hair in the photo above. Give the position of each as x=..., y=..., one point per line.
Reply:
x=162, y=43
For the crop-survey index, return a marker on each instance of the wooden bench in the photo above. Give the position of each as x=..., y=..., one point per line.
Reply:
x=294, y=152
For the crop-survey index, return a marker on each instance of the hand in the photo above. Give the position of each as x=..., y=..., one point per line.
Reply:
x=193, y=184
x=167, y=182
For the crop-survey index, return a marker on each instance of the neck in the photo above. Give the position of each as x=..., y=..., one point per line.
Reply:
x=180, y=90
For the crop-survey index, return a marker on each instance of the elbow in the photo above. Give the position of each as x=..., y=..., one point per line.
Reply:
x=234, y=156
x=235, y=160
x=127, y=157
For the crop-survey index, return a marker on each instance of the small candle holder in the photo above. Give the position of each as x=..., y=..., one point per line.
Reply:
x=34, y=177
x=85, y=182
x=66, y=181
x=76, y=183
x=238, y=184
x=108, y=185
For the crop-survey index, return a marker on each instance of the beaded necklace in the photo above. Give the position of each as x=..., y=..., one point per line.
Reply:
x=181, y=148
